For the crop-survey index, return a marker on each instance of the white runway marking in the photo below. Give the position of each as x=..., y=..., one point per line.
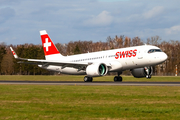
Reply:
x=91, y=83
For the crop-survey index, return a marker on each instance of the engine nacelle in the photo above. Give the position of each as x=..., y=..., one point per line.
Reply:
x=142, y=72
x=97, y=69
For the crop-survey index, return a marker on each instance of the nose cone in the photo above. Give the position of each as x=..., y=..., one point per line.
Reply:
x=163, y=57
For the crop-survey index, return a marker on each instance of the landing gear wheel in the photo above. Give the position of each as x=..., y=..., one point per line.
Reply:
x=88, y=79
x=117, y=79
x=120, y=78
x=85, y=79
x=148, y=76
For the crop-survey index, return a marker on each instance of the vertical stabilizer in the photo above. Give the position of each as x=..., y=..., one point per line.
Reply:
x=50, y=50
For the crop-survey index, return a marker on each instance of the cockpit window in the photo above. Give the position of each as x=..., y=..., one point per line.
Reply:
x=154, y=50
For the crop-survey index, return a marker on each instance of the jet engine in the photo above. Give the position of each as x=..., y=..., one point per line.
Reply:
x=97, y=69
x=142, y=72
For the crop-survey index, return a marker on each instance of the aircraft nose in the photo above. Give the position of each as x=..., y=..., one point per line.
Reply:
x=164, y=57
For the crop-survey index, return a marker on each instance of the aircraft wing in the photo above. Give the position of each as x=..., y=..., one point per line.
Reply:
x=44, y=63
x=58, y=63
x=63, y=64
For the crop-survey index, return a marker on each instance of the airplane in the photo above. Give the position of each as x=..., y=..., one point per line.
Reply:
x=138, y=59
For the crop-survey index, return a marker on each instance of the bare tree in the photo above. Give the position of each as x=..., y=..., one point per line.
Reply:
x=136, y=41
x=154, y=40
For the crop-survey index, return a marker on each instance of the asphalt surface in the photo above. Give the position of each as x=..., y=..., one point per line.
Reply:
x=95, y=83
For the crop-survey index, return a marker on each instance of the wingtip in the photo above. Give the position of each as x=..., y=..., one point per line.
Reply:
x=11, y=48
x=14, y=53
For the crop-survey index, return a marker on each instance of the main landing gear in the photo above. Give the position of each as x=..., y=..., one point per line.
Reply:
x=118, y=78
x=88, y=79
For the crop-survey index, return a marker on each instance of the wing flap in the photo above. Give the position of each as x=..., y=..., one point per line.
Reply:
x=63, y=64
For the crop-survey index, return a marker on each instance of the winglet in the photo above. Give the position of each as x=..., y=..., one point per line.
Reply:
x=14, y=53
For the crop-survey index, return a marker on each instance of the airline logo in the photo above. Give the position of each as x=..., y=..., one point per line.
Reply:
x=48, y=45
x=126, y=54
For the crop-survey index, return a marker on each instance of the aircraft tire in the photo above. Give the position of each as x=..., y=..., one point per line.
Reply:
x=117, y=79
x=88, y=79
x=85, y=79
x=148, y=76
x=120, y=79
x=91, y=79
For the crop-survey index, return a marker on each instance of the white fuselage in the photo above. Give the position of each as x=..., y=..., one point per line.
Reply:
x=117, y=59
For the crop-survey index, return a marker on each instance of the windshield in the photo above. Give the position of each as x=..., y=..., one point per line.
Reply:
x=154, y=50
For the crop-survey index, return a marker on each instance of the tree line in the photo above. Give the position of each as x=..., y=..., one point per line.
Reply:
x=9, y=65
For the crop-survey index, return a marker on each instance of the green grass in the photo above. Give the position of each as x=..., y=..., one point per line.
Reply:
x=41, y=102
x=80, y=78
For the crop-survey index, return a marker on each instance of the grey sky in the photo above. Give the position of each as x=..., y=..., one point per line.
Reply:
x=95, y=20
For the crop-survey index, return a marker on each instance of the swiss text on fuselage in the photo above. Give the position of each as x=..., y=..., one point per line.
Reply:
x=126, y=54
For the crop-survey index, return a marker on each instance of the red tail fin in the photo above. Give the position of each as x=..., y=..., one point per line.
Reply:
x=48, y=45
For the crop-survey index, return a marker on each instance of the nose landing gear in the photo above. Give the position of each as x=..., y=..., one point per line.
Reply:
x=148, y=72
x=148, y=76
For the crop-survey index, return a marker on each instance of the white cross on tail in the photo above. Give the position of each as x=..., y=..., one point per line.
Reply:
x=47, y=44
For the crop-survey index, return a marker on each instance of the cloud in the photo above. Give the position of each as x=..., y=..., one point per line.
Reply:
x=65, y=21
x=173, y=30
x=103, y=19
x=153, y=12
x=145, y=17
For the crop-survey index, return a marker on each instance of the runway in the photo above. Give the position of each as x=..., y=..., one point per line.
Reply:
x=95, y=83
